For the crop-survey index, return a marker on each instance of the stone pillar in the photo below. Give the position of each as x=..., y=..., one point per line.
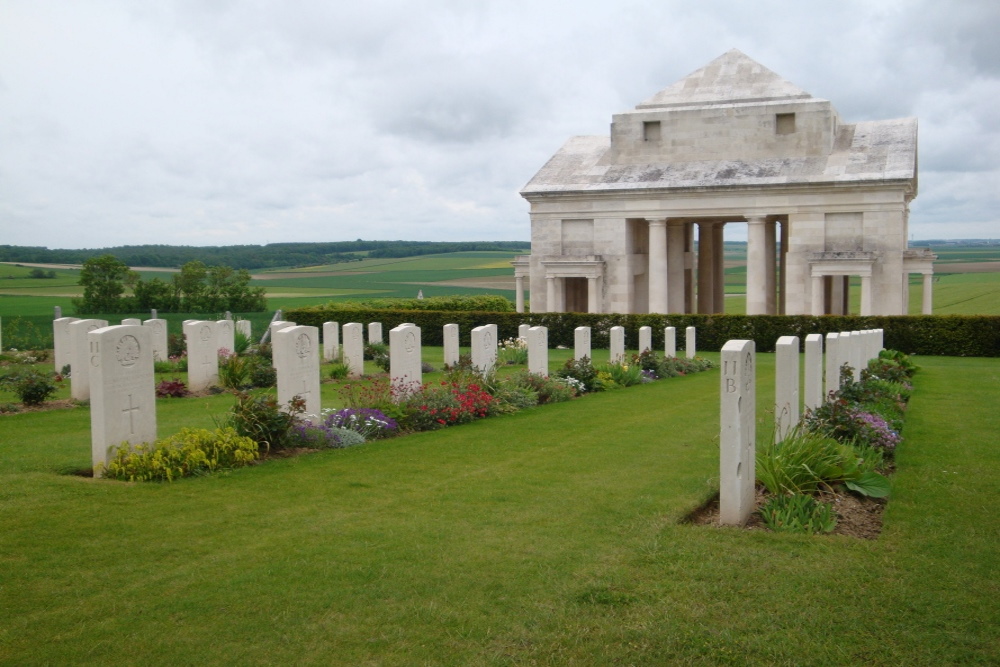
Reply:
x=550, y=294
x=658, y=266
x=837, y=295
x=519, y=293
x=593, y=300
x=706, y=274
x=670, y=342
x=866, y=295
x=756, y=270
x=770, y=266
x=719, y=266
x=786, y=386
x=814, y=371
x=783, y=268
x=675, y=269
x=818, y=298
x=737, y=432
x=928, y=304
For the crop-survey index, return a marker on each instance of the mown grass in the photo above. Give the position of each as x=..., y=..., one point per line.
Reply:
x=548, y=537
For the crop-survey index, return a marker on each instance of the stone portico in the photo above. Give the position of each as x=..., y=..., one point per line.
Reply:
x=615, y=220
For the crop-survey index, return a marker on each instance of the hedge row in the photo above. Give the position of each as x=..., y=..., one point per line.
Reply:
x=941, y=335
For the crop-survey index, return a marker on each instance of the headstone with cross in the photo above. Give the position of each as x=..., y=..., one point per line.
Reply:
x=123, y=396
x=296, y=360
x=202, y=354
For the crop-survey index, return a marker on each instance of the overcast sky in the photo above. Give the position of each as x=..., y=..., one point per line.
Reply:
x=217, y=122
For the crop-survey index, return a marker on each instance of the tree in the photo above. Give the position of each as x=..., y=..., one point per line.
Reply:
x=103, y=279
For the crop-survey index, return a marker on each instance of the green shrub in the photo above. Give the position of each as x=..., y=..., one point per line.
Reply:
x=623, y=375
x=509, y=397
x=583, y=371
x=338, y=370
x=263, y=420
x=262, y=373
x=32, y=386
x=512, y=352
x=241, y=342
x=235, y=371
x=188, y=452
x=798, y=513
x=174, y=388
x=379, y=354
x=549, y=389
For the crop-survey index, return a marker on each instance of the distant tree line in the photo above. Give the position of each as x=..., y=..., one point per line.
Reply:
x=252, y=257
x=196, y=289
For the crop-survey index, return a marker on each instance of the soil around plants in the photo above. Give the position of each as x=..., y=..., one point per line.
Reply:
x=857, y=517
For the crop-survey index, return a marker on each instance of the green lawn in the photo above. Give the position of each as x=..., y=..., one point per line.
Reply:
x=552, y=536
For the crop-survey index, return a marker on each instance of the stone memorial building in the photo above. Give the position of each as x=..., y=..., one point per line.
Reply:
x=615, y=219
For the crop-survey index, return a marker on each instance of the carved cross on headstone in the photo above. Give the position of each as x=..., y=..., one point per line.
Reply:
x=131, y=409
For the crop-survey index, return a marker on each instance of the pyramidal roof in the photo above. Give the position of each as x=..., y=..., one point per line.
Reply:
x=731, y=78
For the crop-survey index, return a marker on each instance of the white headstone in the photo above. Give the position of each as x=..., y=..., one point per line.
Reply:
x=690, y=343
x=670, y=341
x=522, y=331
x=645, y=339
x=832, y=364
x=879, y=341
x=202, y=354
x=581, y=343
x=225, y=332
x=484, y=348
x=158, y=338
x=405, y=359
x=858, y=361
x=122, y=392
x=62, y=352
x=538, y=351
x=374, y=332
x=296, y=360
x=354, y=349
x=81, y=356
x=617, y=335
x=243, y=326
x=814, y=371
x=132, y=322
x=451, y=349
x=273, y=328
x=331, y=341
x=737, y=432
x=786, y=385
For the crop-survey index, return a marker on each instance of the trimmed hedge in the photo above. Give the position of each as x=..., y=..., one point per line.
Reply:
x=940, y=335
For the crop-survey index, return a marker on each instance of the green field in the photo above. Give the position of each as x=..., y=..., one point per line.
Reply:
x=552, y=536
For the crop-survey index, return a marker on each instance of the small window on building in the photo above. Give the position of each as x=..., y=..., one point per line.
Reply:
x=784, y=123
x=651, y=130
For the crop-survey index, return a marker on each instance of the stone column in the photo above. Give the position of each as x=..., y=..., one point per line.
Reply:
x=706, y=275
x=756, y=270
x=770, y=266
x=928, y=305
x=550, y=294
x=719, y=265
x=690, y=262
x=818, y=298
x=519, y=293
x=675, y=269
x=658, y=265
x=783, y=268
x=866, y=295
x=593, y=302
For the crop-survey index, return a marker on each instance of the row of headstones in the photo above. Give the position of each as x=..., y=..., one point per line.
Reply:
x=484, y=345
x=71, y=346
x=738, y=391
